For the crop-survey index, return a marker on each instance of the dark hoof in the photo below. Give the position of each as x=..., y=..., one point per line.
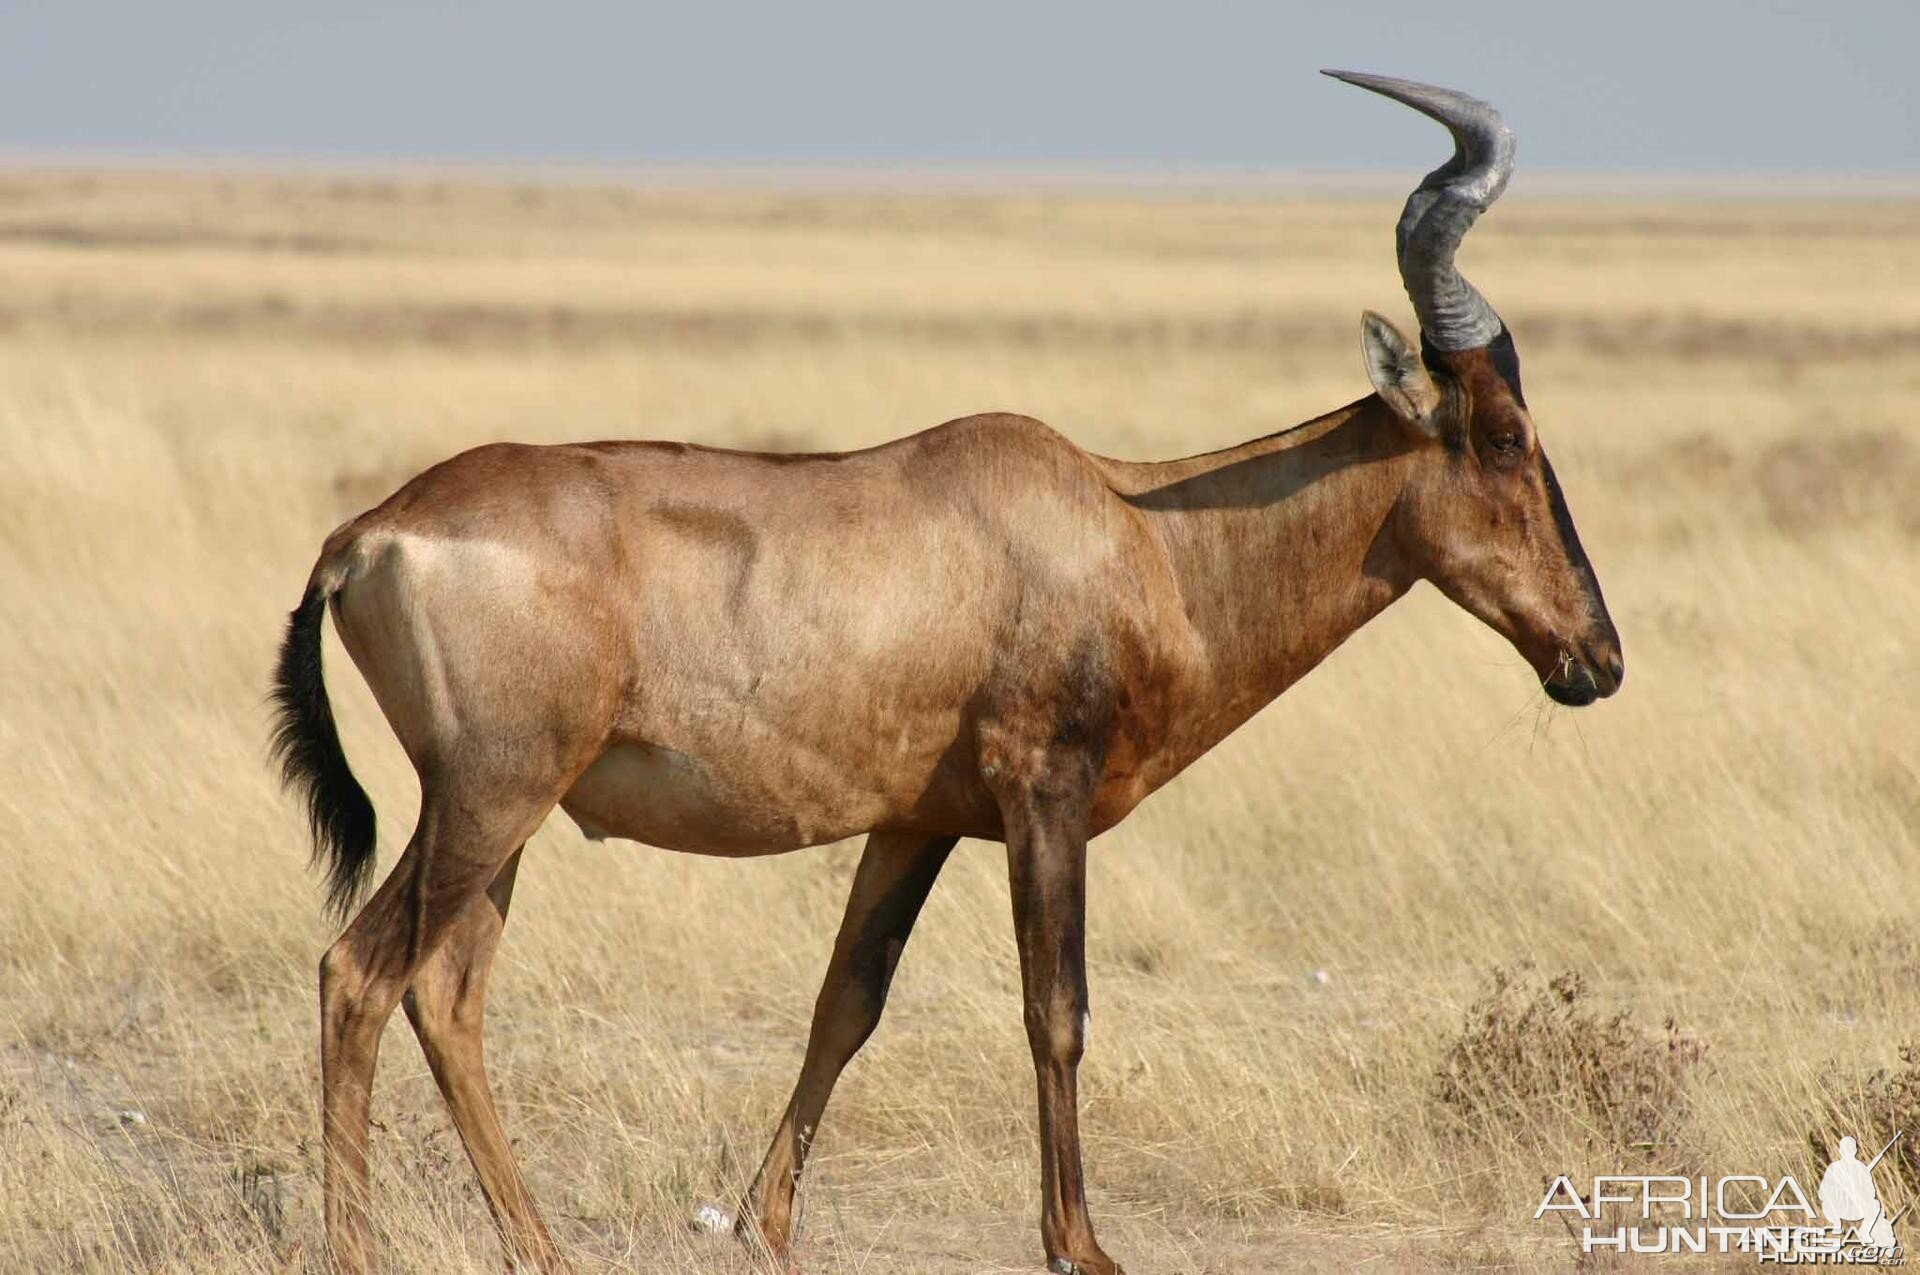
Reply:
x=746, y=1229
x=1067, y=1266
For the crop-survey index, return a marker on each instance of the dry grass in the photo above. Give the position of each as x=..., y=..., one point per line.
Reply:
x=200, y=376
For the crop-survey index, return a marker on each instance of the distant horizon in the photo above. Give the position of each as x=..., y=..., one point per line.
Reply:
x=962, y=178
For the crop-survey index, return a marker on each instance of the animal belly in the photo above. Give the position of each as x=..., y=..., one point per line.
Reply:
x=678, y=801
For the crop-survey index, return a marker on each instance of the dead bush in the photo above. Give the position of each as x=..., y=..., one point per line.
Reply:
x=1541, y=1054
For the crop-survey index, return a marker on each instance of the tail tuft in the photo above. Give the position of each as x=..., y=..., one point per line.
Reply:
x=307, y=747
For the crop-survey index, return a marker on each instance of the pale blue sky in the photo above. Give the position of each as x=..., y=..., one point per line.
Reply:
x=1659, y=86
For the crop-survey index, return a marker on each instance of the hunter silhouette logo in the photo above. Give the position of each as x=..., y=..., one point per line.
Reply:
x=1848, y=1199
x=1772, y=1218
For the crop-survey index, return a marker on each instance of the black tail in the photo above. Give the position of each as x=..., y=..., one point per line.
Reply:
x=307, y=747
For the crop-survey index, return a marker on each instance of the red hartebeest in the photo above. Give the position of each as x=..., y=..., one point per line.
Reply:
x=978, y=631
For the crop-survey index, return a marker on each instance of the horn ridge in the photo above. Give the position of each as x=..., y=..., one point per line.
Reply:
x=1444, y=206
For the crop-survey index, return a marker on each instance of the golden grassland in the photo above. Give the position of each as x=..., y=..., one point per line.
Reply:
x=1296, y=1059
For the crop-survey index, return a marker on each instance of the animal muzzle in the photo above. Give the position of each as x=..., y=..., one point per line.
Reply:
x=1594, y=673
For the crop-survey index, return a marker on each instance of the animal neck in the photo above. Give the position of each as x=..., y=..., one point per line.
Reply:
x=1282, y=547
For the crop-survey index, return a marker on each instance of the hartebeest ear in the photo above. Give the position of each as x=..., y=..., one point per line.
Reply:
x=1398, y=376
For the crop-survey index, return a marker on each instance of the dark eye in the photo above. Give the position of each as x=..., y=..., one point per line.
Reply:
x=1505, y=442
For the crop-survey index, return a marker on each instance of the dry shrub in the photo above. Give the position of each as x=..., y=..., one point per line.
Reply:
x=779, y=439
x=1872, y=1109
x=1540, y=1055
x=1843, y=480
x=1692, y=458
x=1826, y=479
x=355, y=490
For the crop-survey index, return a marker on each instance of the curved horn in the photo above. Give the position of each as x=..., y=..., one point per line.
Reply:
x=1453, y=315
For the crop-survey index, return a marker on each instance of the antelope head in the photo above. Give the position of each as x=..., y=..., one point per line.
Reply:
x=1482, y=516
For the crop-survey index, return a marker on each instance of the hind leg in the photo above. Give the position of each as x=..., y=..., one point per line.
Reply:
x=457, y=852
x=447, y=1006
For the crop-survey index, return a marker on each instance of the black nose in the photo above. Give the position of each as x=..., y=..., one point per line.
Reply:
x=1577, y=691
x=1616, y=667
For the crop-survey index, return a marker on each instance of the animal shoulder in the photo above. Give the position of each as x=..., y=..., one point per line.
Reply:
x=1003, y=444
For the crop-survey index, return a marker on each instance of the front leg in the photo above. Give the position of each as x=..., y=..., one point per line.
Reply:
x=1046, y=825
x=896, y=871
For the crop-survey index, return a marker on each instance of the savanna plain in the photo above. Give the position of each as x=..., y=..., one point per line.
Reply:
x=1408, y=945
